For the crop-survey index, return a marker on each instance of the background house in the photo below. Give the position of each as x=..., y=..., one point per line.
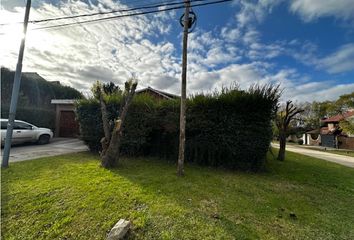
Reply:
x=157, y=94
x=330, y=134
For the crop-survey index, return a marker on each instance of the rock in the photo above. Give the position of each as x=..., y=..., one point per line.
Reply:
x=119, y=230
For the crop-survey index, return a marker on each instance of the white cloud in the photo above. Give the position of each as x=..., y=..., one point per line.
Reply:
x=116, y=50
x=254, y=11
x=108, y=51
x=341, y=60
x=230, y=35
x=210, y=51
x=296, y=87
x=312, y=9
x=325, y=92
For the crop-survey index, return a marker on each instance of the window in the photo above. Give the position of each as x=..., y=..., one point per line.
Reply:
x=20, y=125
x=3, y=124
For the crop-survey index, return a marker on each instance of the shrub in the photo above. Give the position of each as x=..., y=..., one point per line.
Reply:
x=230, y=129
x=36, y=116
x=300, y=142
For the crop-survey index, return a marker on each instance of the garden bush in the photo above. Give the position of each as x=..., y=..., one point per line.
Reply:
x=230, y=129
x=37, y=116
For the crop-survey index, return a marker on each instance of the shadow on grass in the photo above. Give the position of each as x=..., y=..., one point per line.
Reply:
x=194, y=201
x=206, y=201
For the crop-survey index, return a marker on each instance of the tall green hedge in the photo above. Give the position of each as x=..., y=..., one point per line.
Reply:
x=35, y=91
x=230, y=129
x=37, y=116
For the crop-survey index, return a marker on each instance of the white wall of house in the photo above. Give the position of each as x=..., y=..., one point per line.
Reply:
x=330, y=126
x=306, y=139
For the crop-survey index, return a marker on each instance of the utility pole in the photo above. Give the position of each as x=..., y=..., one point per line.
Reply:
x=182, y=117
x=15, y=92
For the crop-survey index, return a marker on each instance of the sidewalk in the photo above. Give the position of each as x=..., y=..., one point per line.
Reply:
x=331, y=157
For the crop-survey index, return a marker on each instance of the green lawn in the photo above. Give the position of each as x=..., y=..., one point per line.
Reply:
x=71, y=197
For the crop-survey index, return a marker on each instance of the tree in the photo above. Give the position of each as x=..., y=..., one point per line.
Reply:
x=283, y=120
x=111, y=89
x=112, y=138
x=106, y=88
x=347, y=126
x=345, y=102
x=314, y=112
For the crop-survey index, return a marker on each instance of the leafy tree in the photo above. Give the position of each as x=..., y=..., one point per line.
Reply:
x=110, y=88
x=107, y=89
x=345, y=102
x=313, y=112
x=347, y=126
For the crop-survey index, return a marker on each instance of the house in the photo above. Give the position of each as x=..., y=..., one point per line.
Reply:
x=158, y=94
x=330, y=134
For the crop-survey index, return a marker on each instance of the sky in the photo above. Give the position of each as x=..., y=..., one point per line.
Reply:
x=306, y=46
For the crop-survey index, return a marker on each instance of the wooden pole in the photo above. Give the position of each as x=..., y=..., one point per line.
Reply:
x=182, y=118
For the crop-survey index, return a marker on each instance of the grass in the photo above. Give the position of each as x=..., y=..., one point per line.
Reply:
x=71, y=197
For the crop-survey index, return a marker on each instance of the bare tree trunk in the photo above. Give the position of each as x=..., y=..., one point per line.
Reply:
x=282, y=146
x=182, y=118
x=106, y=129
x=282, y=121
x=111, y=157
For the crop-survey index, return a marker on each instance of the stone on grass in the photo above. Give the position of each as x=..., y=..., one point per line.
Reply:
x=119, y=230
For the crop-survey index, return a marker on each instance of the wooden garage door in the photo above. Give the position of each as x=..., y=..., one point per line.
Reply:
x=68, y=127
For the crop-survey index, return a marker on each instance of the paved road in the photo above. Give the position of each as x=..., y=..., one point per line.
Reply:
x=331, y=157
x=57, y=146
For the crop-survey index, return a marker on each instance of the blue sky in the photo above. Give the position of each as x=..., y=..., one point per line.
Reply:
x=307, y=46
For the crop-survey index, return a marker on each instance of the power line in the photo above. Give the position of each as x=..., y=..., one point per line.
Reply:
x=113, y=11
x=142, y=7
x=131, y=14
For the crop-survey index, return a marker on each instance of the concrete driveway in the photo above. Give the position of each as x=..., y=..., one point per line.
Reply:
x=56, y=147
x=331, y=157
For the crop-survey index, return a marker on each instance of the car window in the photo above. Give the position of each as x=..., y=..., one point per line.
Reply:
x=20, y=125
x=3, y=125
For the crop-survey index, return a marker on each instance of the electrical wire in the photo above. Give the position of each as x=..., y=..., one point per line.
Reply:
x=142, y=7
x=131, y=14
x=114, y=11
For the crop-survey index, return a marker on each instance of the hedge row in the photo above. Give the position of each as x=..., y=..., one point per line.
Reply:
x=37, y=116
x=230, y=129
x=35, y=91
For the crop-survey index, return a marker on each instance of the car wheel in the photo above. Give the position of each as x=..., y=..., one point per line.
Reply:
x=43, y=139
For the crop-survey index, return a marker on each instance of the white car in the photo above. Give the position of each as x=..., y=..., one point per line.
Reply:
x=26, y=132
